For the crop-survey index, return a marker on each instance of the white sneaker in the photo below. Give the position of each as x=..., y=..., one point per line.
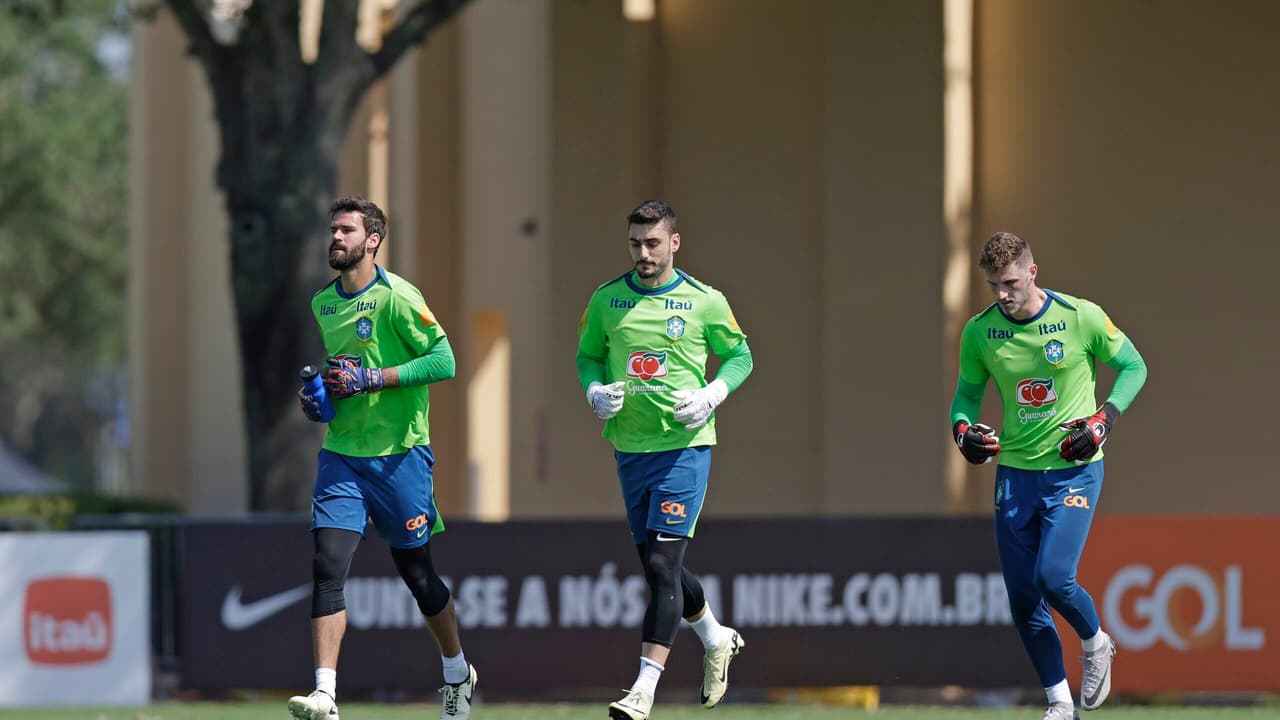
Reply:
x=457, y=698
x=635, y=706
x=1095, y=681
x=1060, y=711
x=319, y=705
x=715, y=669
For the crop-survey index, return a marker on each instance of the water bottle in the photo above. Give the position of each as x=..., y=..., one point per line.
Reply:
x=315, y=386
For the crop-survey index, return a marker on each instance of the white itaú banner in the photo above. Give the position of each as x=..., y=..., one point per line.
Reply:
x=75, y=619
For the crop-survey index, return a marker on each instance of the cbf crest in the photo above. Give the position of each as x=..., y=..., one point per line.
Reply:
x=364, y=328
x=1053, y=351
x=675, y=327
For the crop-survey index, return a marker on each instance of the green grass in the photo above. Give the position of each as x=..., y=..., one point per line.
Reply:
x=357, y=711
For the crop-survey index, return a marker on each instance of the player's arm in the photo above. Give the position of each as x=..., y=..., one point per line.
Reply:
x=694, y=407
x=978, y=443
x=417, y=327
x=1086, y=435
x=606, y=400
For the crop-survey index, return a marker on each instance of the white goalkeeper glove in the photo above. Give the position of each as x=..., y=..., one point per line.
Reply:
x=694, y=407
x=606, y=400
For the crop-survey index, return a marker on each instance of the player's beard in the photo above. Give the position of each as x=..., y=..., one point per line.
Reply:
x=648, y=269
x=349, y=258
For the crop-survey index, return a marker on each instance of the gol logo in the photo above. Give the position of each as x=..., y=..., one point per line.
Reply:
x=1161, y=604
x=1076, y=501
x=414, y=523
x=647, y=364
x=673, y=508
x=67, y=620
x=1036, y=392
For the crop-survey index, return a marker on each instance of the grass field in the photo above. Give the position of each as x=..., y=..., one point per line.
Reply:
x=356, y=711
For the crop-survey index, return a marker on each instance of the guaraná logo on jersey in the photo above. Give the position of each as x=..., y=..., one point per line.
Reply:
x=1036, y=392
x=675, y=327
x=364, y=328
x=67, y=620
x=647, y=364
x=1053, y=351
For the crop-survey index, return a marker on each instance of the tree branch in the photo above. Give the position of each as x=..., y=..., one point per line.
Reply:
x=199, y=34
x=412, y=30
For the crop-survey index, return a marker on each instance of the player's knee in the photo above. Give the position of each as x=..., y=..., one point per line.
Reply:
x=1023, y=606
x=419, y=574
x=662, y=569
x=1055, y=586
x=329, y=568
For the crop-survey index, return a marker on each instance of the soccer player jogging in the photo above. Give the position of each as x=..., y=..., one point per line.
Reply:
x=1041, y=349
x=384, y=347
x=642, y=356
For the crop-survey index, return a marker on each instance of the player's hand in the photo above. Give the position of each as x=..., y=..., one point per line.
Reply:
x=694, y=407
x=310, y=405
x=345, y=377
x=606, y=400
x=1087, y=434
x=978, y=443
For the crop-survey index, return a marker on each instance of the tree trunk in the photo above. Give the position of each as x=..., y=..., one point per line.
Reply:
x=278, y=253
x=282, y=122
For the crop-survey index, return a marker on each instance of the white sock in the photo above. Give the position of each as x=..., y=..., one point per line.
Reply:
x=709, y=630
x=1095, y=643
x=327, y=680
x=1060, y=694
x=647, y=680
x=456, y=669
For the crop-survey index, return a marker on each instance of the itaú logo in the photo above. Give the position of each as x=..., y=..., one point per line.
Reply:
x=67, y=620
x=1165, y=609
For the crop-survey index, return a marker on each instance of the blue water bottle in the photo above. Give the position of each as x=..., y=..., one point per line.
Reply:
x=315, y=387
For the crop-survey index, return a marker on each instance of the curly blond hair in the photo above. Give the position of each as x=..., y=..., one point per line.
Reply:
x=1002, y=250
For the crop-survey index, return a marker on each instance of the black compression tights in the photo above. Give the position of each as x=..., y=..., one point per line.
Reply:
x=674, y=592
x=415, y=567
x=329, y=567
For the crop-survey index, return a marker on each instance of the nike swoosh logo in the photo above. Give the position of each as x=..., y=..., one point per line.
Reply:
x=1074, y=490
x=239, y=616
x=668, y=538
x=673, y=522
x=422, y=532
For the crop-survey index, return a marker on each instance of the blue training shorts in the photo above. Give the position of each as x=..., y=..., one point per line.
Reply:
x=394, y=490
x=663, y=491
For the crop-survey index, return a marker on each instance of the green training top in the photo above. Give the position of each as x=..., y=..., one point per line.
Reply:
x=1044, y=369
x=656, y=340
x=386, y=324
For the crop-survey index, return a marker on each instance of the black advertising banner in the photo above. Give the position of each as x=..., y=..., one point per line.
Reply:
x=546, y=605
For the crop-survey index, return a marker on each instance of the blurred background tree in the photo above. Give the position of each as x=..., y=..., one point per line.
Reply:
x=63, y=235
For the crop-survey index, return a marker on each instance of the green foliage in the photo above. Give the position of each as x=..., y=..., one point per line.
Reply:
x=62, y=181
x=63, y=231
x=55, y=512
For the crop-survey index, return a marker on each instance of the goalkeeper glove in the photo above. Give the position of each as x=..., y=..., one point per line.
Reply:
x=311, y=405
x=1088, y=434
x=606, y=400
x=694, y=407
x=978, y=443
x=345, y=377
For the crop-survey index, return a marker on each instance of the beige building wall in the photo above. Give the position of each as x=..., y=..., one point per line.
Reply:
x=802, y=143
x=1134, y=145
x=794, y=164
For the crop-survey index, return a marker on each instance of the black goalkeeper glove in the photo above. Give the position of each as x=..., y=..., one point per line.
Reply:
x=1088, y=434
x=978, y=443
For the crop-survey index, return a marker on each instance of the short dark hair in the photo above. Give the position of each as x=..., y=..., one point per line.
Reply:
x=650, y=212
x=1002, y=250
x=375, y=221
